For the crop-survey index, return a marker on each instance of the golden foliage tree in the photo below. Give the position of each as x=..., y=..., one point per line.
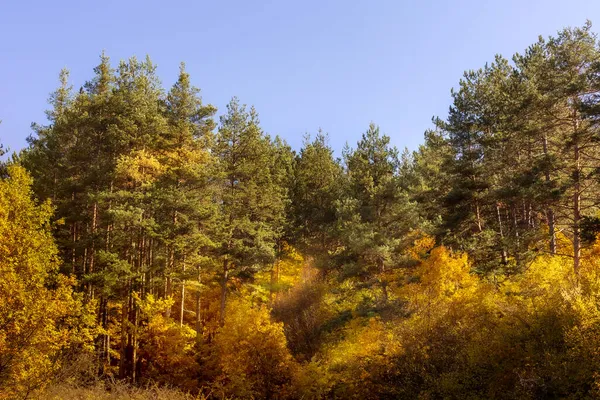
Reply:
x=167, y=350
x=40, y=317
x=252, y=353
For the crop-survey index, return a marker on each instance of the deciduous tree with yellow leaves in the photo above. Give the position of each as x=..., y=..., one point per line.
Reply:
x=42, y=321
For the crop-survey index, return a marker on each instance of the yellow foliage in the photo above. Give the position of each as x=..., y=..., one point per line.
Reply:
x=528, y=335
x=252, y=353
x=186, y=162
x=166, y=348
x=364, y=341
x=287, y=271
x=546, y=275
x=313, y=381
x=39, y=325
x=138, y=168
x=421, y=246
x=441, y=275
x=368, y=350
x=467, y=338
x=564, y=244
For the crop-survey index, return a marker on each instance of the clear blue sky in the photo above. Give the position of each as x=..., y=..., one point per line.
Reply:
x=307, y=64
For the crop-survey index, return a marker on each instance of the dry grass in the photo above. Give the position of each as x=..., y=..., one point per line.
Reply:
x=113, y=391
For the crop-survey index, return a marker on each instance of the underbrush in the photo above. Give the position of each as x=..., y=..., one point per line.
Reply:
x=114, y=391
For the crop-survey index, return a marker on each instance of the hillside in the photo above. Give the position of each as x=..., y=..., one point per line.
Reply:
x=152, y=246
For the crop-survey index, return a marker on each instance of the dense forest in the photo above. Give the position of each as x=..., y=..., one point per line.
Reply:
x=148, y=239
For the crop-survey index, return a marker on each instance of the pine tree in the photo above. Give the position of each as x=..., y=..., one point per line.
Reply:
x=252, y=204
x=375, y=216
x=317, y=185
x=185, y=192
x=567, y=89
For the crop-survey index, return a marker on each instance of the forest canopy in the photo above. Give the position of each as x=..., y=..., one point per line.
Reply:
x=149, y=239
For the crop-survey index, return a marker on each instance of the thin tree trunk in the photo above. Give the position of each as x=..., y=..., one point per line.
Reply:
x=223, y=292
x=170, y=268
x=101, y=343
x=182, y=307
x=199, y=309
x=516, y=232
x=272, y=284
x=134, y=343
x=73, y=257
x=549, y=212
x=576, y=202
x=168, y=279
x=124, y=330
x=503, y=254
x=383, y=281
x=93, y=247
x=274, y=276
x=478, y=215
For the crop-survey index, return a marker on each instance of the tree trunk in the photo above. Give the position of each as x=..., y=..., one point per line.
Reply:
x=272, y=284
x=182, y=306
x=132, y=362
x=478, y=215
x=383, y=281
x=199, y=309
x=124, y=331
x=576, y=202
x=223, y=292
x=503, y=253
x=168, y=279
x=90, y=288
x=102, y=341
x=549, y=212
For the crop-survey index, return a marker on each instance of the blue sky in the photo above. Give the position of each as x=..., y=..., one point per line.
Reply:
x=335, y=65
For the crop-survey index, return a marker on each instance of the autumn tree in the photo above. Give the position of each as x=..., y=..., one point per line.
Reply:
x=41, y=319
